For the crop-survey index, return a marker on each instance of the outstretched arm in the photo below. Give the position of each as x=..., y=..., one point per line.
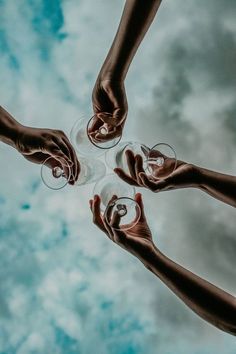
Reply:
x=9, y=128
x=211, y=303
x=109, y=91
x=36, y=145
x=218, y=185
x=208, y=301
x=135, y=21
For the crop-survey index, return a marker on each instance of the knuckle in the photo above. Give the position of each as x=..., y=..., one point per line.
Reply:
x=60, y=132
x=47, y=136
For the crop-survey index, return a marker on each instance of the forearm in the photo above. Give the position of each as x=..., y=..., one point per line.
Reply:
x=9, y=128
x=209, y=302
x=135, y=21
x=219, y=186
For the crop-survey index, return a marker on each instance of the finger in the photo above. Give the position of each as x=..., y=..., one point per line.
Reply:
x=138, y=168
x=120, y=114
x=115, y=119
x=108, y=215
x=118, y=235
x=115, y=221
x=147, y=183
x=139, y=200
x=111, y=134
x=97, y=219
x=63, y=145
x=95, y=124
x=126, y=178
x=119, y=102
x=108, y=211
x=108, y=119
x=54, y=150
x=131, y=163
x=146, y=150
x=76, y=166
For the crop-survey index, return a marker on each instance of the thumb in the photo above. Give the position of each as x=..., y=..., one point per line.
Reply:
x=114, y=119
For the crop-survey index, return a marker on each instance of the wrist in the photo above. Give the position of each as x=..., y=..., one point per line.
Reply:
x=155, y=261
x=112, y=73
x=148, y=255
x=9, y=128
x=199, y=177
x=196, y=179
x=19, y=134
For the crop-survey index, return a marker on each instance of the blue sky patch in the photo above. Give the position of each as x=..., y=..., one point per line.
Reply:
x=47, y=17
x=66, y=343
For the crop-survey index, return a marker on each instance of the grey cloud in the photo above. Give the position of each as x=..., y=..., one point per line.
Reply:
x=198, y=233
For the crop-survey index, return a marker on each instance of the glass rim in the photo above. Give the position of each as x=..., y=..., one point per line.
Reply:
x=90, y=139
x=175, y=157
x=123, y=228
x=83, y=117
x=66, y=179
x=108, y=175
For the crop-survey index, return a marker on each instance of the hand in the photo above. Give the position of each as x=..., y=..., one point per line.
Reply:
x=137, y=240
x=185, y=175
x=109, y=97
x=36, y=145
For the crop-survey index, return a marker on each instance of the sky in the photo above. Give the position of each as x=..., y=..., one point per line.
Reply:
x=64, y=287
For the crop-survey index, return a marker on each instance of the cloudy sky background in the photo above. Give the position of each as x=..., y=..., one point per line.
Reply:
x=64, y=288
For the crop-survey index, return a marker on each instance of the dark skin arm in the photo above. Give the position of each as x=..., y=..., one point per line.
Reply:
x=36, y=144
x=208, y=301
x=218, y=185
x=109, y=90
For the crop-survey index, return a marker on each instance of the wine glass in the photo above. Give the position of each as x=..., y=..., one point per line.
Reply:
x=85, y=142
x=161, y=161
x=56, y=175
x=124, y=204
x=158, y=162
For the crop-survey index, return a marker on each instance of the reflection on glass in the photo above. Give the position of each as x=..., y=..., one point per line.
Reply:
x=56, y=175
x=124, y=204
x=85, y=142
x=159, y=161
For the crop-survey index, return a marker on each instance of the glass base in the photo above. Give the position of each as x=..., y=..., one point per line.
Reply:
x=125, y=211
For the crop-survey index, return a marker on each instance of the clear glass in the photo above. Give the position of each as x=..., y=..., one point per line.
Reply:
x=56, y=176
x=128, y=211
x=117, y=157
x=91, y=171
x=126, y=207
x=84, y=143
x=159, y=161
